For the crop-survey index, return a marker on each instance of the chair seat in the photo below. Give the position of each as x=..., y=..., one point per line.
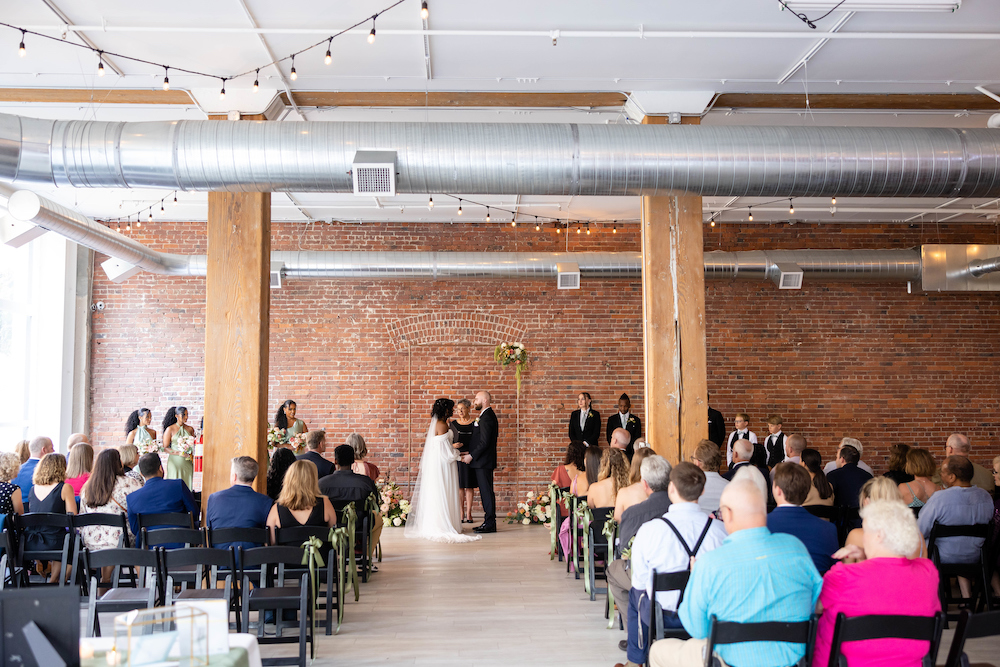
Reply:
x=261, y=597
x=201, y=594
x=126, y=595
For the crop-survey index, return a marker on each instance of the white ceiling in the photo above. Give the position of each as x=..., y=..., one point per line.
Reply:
x=752, y=45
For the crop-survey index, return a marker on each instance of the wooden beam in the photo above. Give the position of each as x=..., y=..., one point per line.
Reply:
x=673, y=309
x=98, y=96
x=236, y=334
x=922, y=102
x=322, y=98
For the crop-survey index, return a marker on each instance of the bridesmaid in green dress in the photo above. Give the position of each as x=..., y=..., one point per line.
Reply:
x=174, y=428
x=285, y=418
x=137, y=431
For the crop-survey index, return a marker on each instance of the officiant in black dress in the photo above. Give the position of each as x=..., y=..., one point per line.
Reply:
x=462, y=425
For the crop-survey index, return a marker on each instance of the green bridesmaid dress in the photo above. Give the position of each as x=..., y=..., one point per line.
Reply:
x=179, y=467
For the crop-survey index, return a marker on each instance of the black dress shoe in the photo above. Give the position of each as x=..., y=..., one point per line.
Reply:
x=485, y=529
x=623, y=645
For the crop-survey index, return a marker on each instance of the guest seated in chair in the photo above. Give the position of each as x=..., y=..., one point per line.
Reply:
x=612, y=476
x=754, y=576
x=887, y=581
x=10, y=496
x=239, y=506
x=158, y=495
x=49, y=493
x=635, y=492
x=708, y=457
x=791, y=487
x=669, y=543
x=315, y=446
x=301, y=503
x=345, y=485
x=876, y=489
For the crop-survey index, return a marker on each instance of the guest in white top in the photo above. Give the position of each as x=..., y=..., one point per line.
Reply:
x=795, y=444
x=668, y=544
x=741, y=432
x=707, y=457
x=853, y=442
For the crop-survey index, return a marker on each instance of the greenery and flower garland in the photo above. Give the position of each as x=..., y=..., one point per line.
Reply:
x=394, y=507
x=506, y=354
x=534, y=510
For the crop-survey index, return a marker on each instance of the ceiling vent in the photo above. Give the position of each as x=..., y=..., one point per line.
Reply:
x=787, y=276
x=568, y=275
x=374, y=173
x=276, y=268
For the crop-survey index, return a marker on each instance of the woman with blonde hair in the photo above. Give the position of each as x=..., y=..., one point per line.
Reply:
x=49, y=493
x=635, y=492
x=22, y=451
x=79, y=465
x=612, y=476
x=300, y=502
x=129, y=455
x=876, y=489
x=10, y=494
x=360, y=466
x=919, y=463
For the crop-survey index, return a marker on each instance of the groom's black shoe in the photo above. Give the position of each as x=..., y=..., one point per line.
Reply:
x=485, y=529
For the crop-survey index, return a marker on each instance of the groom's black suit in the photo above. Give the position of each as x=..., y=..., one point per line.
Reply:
x=484, y=460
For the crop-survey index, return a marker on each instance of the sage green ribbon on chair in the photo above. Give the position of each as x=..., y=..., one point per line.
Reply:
x=610, y=531
x=350, y=518
x=583, y=512
x=371, y=508
x=555, y=496
x=338, y=538
x=313, y=557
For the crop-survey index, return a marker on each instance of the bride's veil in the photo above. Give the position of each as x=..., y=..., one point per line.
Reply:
x=414, y=522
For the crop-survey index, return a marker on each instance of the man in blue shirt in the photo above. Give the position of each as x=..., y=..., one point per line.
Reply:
x=239, y=506
x=158, y=495
x=38, y=448
x=961, y=504
x=754, y=576
x=791, y=488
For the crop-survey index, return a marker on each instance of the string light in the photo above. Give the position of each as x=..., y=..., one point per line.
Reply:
x=430, y=202
x=256, y=81
x=175, y=197
x=166, y=78
x=791, y=208
x=150, y=213
x=424, y=12
x=614, y=227
x=20, y=49
x=578, y=228
x=558, y=227
x=119, y=226
x=588, y=229
x=222, y=93
x=371, y=35
x=162, y=210
x=513, y=223
x=538, y=227
x=128, y=227
x=712, y=221
x=487, y=214
x=294, y=75
x=460, y=207
x=750, y=216
x=100, y=63
x=833, y=201
x=329, y=56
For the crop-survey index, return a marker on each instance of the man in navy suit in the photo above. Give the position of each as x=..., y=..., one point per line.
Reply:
x=791, y=487
x=239, y=506
x=585, y=423
x=37, y=448
x=316, y=444
x=158, y=495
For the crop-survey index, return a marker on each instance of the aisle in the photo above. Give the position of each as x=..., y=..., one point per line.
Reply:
x=499, y=601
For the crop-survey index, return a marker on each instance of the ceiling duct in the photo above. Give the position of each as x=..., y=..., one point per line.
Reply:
x=506, y=158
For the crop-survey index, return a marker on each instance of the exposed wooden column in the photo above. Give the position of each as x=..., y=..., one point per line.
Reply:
x=673, y=309
x=236, y=333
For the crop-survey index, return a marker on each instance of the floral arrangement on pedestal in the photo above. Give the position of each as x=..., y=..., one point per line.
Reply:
x=506, y=354
x=394, y=507
x=535, y=509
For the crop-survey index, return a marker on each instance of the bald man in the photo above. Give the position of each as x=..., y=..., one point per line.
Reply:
x=777, y=582
x=958, y=444
x=37, y=448
x=622, y=439
x=484, y=458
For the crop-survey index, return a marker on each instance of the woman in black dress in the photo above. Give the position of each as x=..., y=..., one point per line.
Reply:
x=462, y=426
x=300, y=502
x=49, y=493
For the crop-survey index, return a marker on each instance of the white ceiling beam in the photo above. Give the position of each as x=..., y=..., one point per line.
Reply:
x=270, y=54
x=933, y=210
x=814, y=49
x=428, y=72
x=81, y=36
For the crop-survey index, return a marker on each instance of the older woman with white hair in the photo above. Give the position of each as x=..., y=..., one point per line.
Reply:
x=886, y=581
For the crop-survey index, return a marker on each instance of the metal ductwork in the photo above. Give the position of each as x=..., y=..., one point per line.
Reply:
x=821, y=265
x=506, y=158
x=980, y=267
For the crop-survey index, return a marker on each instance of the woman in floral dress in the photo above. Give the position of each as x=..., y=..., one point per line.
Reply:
x=105, y=493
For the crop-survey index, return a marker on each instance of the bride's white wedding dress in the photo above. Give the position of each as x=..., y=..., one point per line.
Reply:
x=437, y=513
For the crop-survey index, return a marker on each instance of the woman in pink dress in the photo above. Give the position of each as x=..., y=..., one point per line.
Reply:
x=885, y=581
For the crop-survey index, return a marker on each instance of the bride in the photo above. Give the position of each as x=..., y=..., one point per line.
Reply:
x=436, y=513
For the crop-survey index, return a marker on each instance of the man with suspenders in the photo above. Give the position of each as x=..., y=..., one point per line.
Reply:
x=668, y=544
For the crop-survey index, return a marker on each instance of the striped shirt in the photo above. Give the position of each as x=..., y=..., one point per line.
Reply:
x=754, y=576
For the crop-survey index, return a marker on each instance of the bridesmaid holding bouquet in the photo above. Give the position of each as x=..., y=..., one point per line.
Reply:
x=178, y=440
x=137, y=431
x=285, y=419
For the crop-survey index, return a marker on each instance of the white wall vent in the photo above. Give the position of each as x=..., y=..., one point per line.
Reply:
x=276, y=268
x=788, y=276
x=374, y=173
x=568, y=275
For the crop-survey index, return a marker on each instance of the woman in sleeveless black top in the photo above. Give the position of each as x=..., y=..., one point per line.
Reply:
x=300, y=492
x=462, y=425
x=49, y=479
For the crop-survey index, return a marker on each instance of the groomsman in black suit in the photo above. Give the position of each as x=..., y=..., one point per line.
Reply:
x=716, y=425
x=483, y=450
x=585, y=424
x=629, y=422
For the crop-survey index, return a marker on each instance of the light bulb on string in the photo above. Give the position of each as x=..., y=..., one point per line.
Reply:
x=558, y=227
x=588, y=229
x=329, y=56
x=712, y=222
x=162, y=210
x=538, y=227
x=614, y=227
x=460, y=207
x=175, y=197
x=371, y=35
x=100, y=63
x=424, y=12
x=222, y=93
x=430, y=202
x=166, y=78
x=750, y=216
x=791, y=208
x=833, y=201
x=119, y=226
x=150, y=214
x=128, y=227
x=294, y=75
x=578, y=228
x=487, y=214
x=20, y=49
x=513, y=222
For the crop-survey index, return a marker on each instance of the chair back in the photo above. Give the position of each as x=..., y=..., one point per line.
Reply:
x=264, y=559
x=971, y=626
x=861, y=628
x=172, y=519
x=730, y=632
x=665, y=582
x=141, y=559
x=64, y=522
x=828, y=512
x=600, y=516
x=117, y=520
x=258, y=536
x=191, y=537
x=45, y=520
x=200, y=557
x=939, y=531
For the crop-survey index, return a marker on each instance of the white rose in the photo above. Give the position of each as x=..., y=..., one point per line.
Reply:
x=545, y=499
x=503, y=346
x=527, y=522
x=385, y=522
x=397, y=521
x=530, y=495
x=519, y=345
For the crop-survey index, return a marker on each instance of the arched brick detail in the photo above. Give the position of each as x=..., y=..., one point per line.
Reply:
x=453, y=327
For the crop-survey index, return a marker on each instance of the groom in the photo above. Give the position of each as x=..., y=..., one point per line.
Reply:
x=484, y=459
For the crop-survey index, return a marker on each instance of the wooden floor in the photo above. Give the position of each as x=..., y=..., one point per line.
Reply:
x=499, y=601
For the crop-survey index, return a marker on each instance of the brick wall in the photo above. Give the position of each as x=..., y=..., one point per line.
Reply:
x=868, y=360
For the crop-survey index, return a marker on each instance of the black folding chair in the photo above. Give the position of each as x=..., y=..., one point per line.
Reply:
x=730, y=632
x=362, y=533
x=26, y=524
x=271, y=593
x=598, y=549
x=208, y=565
x=559, y=517
x=121, y=598
x=976, y=572
x=971, y=626
x=80, y=521
x=218, y=537
x=162, y=520
x=296, y=536
x=860, y=628
x=665, y=582
x=828, y=512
